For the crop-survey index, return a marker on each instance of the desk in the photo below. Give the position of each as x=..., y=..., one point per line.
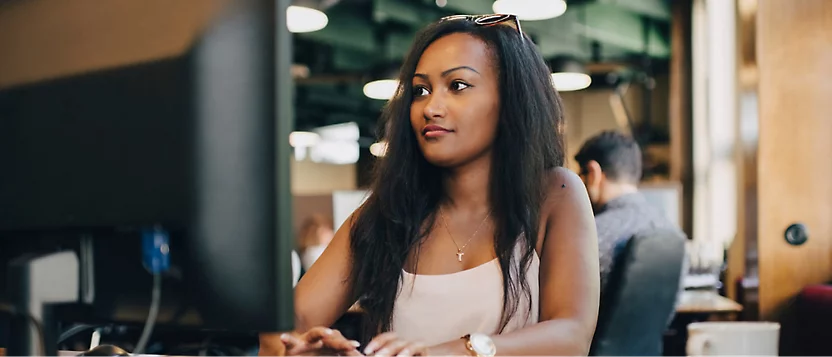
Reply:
x=694, y=306
x=705, y=302
x=60, y=353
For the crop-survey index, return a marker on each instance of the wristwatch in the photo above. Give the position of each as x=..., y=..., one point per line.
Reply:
x=480, y=345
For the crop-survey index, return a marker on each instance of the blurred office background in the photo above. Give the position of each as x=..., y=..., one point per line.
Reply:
x=729, y=99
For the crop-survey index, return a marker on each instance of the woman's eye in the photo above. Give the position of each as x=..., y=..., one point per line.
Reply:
x=420, y=91
x=458, y=86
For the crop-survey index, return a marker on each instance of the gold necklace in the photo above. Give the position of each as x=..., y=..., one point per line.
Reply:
x=459, y=251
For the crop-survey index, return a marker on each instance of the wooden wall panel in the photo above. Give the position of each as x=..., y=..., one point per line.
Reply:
x=794, y=53
x=742, y=261
x=43, y=39
x=681, y=129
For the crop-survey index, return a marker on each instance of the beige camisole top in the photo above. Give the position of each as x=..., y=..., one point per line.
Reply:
x=433, y=309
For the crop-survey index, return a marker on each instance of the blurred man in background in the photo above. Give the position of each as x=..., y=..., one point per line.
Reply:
x=610, y=166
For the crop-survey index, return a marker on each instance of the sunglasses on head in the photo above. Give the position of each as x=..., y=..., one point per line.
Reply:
x=489, y=20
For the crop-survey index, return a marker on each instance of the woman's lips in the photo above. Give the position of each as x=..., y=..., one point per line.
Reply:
x=434, y=131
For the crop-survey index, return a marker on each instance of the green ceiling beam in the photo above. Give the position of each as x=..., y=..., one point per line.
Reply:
x=333, y=98
x=398, y=11
x=656, y=9
x=616, y=24
x=346, y=59
x=405, y=12
x=622, y=29
x=397, y=44
x=346, y=29
x=470, y=6
x=556, y=36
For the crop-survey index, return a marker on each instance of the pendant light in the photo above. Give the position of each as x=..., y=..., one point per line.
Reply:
x=383, y=83
x=569, y=74
x=530, y=10
x=307, y=15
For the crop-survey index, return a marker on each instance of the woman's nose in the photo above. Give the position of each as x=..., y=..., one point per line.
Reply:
x=435, y=108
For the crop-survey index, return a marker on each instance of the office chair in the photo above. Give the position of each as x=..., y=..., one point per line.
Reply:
x=640, y=297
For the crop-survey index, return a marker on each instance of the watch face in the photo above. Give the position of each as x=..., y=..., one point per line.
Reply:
x=482, y=344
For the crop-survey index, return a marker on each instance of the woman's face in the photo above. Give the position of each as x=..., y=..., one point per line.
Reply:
x=456, y=102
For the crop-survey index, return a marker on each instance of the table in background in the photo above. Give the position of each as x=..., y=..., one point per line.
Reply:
x=706, y=302
x=695, y=306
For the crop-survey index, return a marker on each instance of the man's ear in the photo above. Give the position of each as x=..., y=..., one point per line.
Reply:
x=594, y=175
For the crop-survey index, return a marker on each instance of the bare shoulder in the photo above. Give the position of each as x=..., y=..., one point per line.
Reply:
x=564, y=188
x=566, y=206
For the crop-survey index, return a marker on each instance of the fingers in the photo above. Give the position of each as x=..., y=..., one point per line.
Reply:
x=290, y=340
x=319, y=339
x=392, y=348
x=378, y=342
x=309, y=341
x=297, y=344
x=336, y=341
x=271, y=345
x=387, y=344
x=316, y=333
x=413, y=349
x=350, y=352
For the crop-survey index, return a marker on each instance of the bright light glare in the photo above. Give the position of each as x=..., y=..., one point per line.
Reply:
x=339, y=132
x=335, y=152
x=531, y=10
x=382, y=89
x=304, y=19
x=568, y=81
x=303, y=139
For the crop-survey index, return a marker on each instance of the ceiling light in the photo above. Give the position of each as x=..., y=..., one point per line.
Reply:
x=335, y=152
x=305, y=19
x=531, y=10
x=382, y=89
x=378, y=148
x=348, y=131
x=566, y=81
x=569, y=74
x=303, y=139
x=381, y=82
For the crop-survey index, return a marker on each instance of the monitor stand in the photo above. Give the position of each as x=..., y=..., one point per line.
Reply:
x=35, y=282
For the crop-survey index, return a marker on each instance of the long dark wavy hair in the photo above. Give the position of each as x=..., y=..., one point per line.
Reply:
x=406, y=190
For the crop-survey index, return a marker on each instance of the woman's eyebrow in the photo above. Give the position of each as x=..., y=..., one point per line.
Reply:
x=446, y=72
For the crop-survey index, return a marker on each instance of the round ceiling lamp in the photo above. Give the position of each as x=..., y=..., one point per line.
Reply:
x=565, y=82
x=531, y=10
x=569, y=75
x=304, y=139
x=305, y=19
x=382, y=84
x=381, y=89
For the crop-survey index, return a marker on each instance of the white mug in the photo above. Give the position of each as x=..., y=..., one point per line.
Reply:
x=733, y=338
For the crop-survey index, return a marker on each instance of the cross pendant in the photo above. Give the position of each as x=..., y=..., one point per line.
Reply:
x=459, y=255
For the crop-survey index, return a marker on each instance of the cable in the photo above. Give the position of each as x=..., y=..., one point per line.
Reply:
x=152, y=314
x=38, y=327
x=95, y=339
x=74, y=331
x=156, y=259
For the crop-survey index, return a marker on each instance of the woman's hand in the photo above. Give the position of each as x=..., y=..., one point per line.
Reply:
x=317, y=341
x=387, y=344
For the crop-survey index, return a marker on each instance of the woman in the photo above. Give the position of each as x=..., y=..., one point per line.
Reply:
x=475, y=240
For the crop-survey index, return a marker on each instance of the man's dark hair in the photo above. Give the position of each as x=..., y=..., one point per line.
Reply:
x=618, y=155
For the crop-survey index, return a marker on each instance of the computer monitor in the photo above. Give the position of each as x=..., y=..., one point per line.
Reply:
x=192, y=146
